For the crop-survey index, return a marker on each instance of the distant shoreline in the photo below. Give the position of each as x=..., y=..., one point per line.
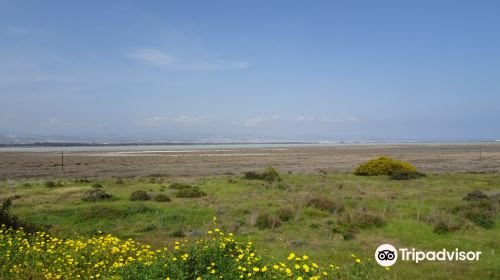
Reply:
x=177, y=146
x=119, y=144
x=80, y=144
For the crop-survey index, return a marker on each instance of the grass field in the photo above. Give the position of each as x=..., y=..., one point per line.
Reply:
x=325, y=215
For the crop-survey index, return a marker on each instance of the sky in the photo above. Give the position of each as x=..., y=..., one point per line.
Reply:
x=283, y=70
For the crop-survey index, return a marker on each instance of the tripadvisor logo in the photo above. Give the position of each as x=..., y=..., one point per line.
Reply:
x=387, y=255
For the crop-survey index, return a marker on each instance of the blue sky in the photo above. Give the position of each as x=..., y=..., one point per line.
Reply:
x=178, y=70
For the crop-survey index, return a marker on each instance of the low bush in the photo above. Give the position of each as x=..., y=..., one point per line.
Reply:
x=251, y=175
x=349, y=223
x=383, y=166
x=481, y=213
x=347, y=232
x=162, y=198
x=193, y=192
x=9, y=220
x=50, y=184
x=366, y=219
x=97, y=186
x=178, y=233
x=179, y=186
x=285, y=214
x=95, y=195
x=476, y=195
x=406, y=175
x=270, y=174
x=82, y=180
x=148, y=228
x=139, y=195
x=479, y=208
x=266, y=221
x=441, y=227
x=362, y=218
x=446, y=224
x=325, y=204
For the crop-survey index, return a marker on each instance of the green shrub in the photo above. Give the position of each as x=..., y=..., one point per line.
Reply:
x=405, y=175
x=446, y=224
x=367, y=219
x=479, y=208
x=139, y=195
x=162, y=198
x=95, y=195
x=179, y=186
x=265, y=221
x=361, y=218
x=9, y=220
x=82, y=180
x=269, y=174
x=285, y=214
x=192, y=192
x=148, y=228
x=481, y=213
x=349, y=223
x=325, y=204
x=50, y=184
x=476, y=195
x=382, y=166
x=441, y=227
x=97, y=186
x=178, y=233
x=346, y=231
x=251, y=175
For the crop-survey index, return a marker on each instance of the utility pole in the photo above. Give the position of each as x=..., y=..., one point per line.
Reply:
x=62, y=161
x=481, y=152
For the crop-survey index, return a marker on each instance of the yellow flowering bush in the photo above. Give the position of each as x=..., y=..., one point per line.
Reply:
x=218, y=256
x=383, y=166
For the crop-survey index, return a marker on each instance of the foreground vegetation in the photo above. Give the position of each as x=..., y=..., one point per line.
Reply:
x=327, y=216
x=218, y=256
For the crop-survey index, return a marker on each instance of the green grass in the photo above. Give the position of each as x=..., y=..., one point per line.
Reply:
x=237, y=202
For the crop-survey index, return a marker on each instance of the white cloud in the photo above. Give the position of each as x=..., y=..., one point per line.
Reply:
x=343, y=120
x=260, y=120
x=162, y=121
x=305, y=119
x=326, y=120
x=158, y=58
x=152, y=57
